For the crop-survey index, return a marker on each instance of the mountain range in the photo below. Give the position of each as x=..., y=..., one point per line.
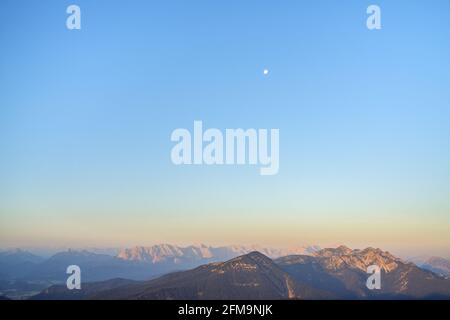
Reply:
x=166, y=253
x=135, y=263
x=335, y=273
x=23, y=273
x=436, y=264
x=344, y=272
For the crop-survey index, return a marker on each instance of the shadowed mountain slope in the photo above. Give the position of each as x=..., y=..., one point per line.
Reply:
x=251, y=276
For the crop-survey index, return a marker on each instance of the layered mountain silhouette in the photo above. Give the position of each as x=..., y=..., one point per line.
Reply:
x=437, y=265
x=138, y=263
x=338, y=273
x=96, y=267
x=17, y=263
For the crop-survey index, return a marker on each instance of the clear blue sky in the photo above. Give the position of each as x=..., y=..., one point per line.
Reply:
x=364, y=119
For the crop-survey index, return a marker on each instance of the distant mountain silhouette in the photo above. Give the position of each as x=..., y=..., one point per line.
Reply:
x=437, y=265
x=95, y=267
x=138, y=263
x=17, y=263
x=192, y=255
